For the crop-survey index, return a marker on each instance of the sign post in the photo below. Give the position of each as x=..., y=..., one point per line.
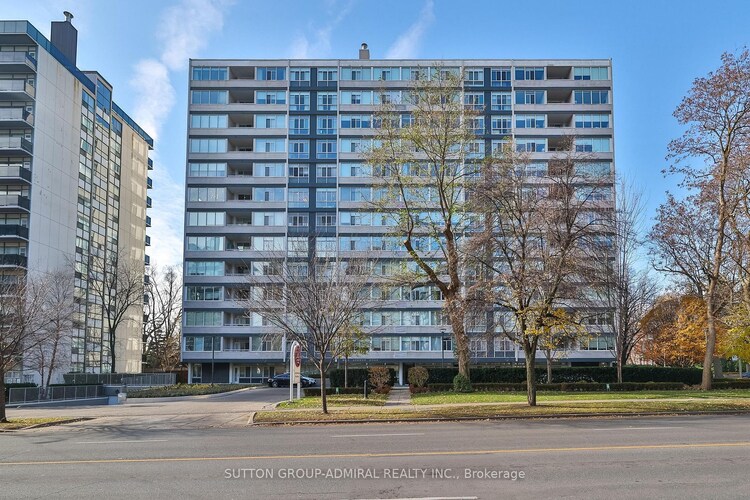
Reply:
x=297, y=351
x=295, y=366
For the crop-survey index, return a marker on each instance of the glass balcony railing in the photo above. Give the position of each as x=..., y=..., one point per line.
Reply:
x=14, y=145
x=13, y=260
x=14, y=230
x=14, y=200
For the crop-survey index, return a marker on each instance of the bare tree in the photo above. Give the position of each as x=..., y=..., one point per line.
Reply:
x=716, y=111
x=319, y=308
x=59, y=314
x=422, y=157
x=163, y=317
x=627, y=290
x=117, y=282
x=22, y=324
x=542, y=230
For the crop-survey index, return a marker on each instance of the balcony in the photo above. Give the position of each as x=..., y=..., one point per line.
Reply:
x=15, y=118
x=12, y=172
x=15, y=146
x=150, y=164
x=148, y=240
x=13, y=260
x=148, y=202
x=148, y=221
x=14, y=230
x=149, y=183
x=16, y=90
x=16, y=62
x=14, y=201
x=147, y=260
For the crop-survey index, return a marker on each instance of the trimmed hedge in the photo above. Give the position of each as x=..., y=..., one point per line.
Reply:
x=315, y=391
x=21, y=385
x=568, y=387
x=731, y=384
x=357, y=377
x=601, y=374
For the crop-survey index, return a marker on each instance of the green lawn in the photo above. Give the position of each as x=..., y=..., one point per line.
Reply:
x=509, y=397
x=374, y=414
x=20, y=423
x=336, y=400
x=172, y=391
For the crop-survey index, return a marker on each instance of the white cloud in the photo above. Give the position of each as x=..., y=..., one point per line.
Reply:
x=186, y=27
x=184, y=31
x=318, y=44
x=156, y=95
x=407, y=44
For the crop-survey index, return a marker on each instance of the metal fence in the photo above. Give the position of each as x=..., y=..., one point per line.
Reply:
x=131, y=379
x=18, y=395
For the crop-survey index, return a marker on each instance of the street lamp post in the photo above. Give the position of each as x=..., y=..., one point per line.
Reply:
x=213, y=357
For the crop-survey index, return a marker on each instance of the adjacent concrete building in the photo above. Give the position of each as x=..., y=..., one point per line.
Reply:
x=274, y=169
x=73, y=183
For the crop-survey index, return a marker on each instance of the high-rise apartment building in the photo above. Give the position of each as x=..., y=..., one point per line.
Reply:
x=73, y=185
x=275, y=172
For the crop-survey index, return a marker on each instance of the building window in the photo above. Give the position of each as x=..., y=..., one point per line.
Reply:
x=325, y=173
x=206, y=218
x=592, y=121
x=299, y=101
x=297, y=246
x=500, y=125
x=205, y=268
x=209, y=97
x=210, y=73
x=299, y=75
x=204, y=293
x=299, y=171
x=325, y=198
x=270, y=121
x=530, y=97
x=326, y=150
x=474, y=77
x=535, y=73
x=325, y=220
x=205, y=243
x=266, y=74
x=299, y=220
x=268, y=170
x=264, y=97
x=326, y=125
x=207, y=169
x=530, y=121
x=208, y=145
x=593, y=145
x=200, y=344
x=474, y=100
x=356, y=121
x=591, y=96
x=500, y=77
x=299, y=125
x=531, y=145
x=501, y=101
x=327, y=75
x=203, y=318
x=325, y=246
x=591, y=73
x=209, y=121
x=299, y=150
x=327, y=101
x=269, y=145
x=299, y=198
x=356, y=74
x=356, y=97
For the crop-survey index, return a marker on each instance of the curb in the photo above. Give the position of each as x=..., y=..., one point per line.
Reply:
x=504, y=417
x=49, y=424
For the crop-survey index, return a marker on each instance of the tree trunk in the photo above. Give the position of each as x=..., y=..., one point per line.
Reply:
x=463, y=353
x=619, y=370
x=323, y=397
x=549, y=368
x=346, y=371
x=707, y=378
x=3, y=418
x=530, y=375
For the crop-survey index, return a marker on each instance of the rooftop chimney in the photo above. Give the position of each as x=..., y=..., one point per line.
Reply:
x=65, y=37
x=364, y=52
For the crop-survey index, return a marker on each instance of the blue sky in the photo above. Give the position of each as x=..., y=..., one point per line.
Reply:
x=657, y=46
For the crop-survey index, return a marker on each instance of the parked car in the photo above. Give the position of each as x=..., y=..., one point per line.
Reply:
x=282, y=380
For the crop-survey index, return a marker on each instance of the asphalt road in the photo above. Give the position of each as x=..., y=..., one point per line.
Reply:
x=157, y=452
